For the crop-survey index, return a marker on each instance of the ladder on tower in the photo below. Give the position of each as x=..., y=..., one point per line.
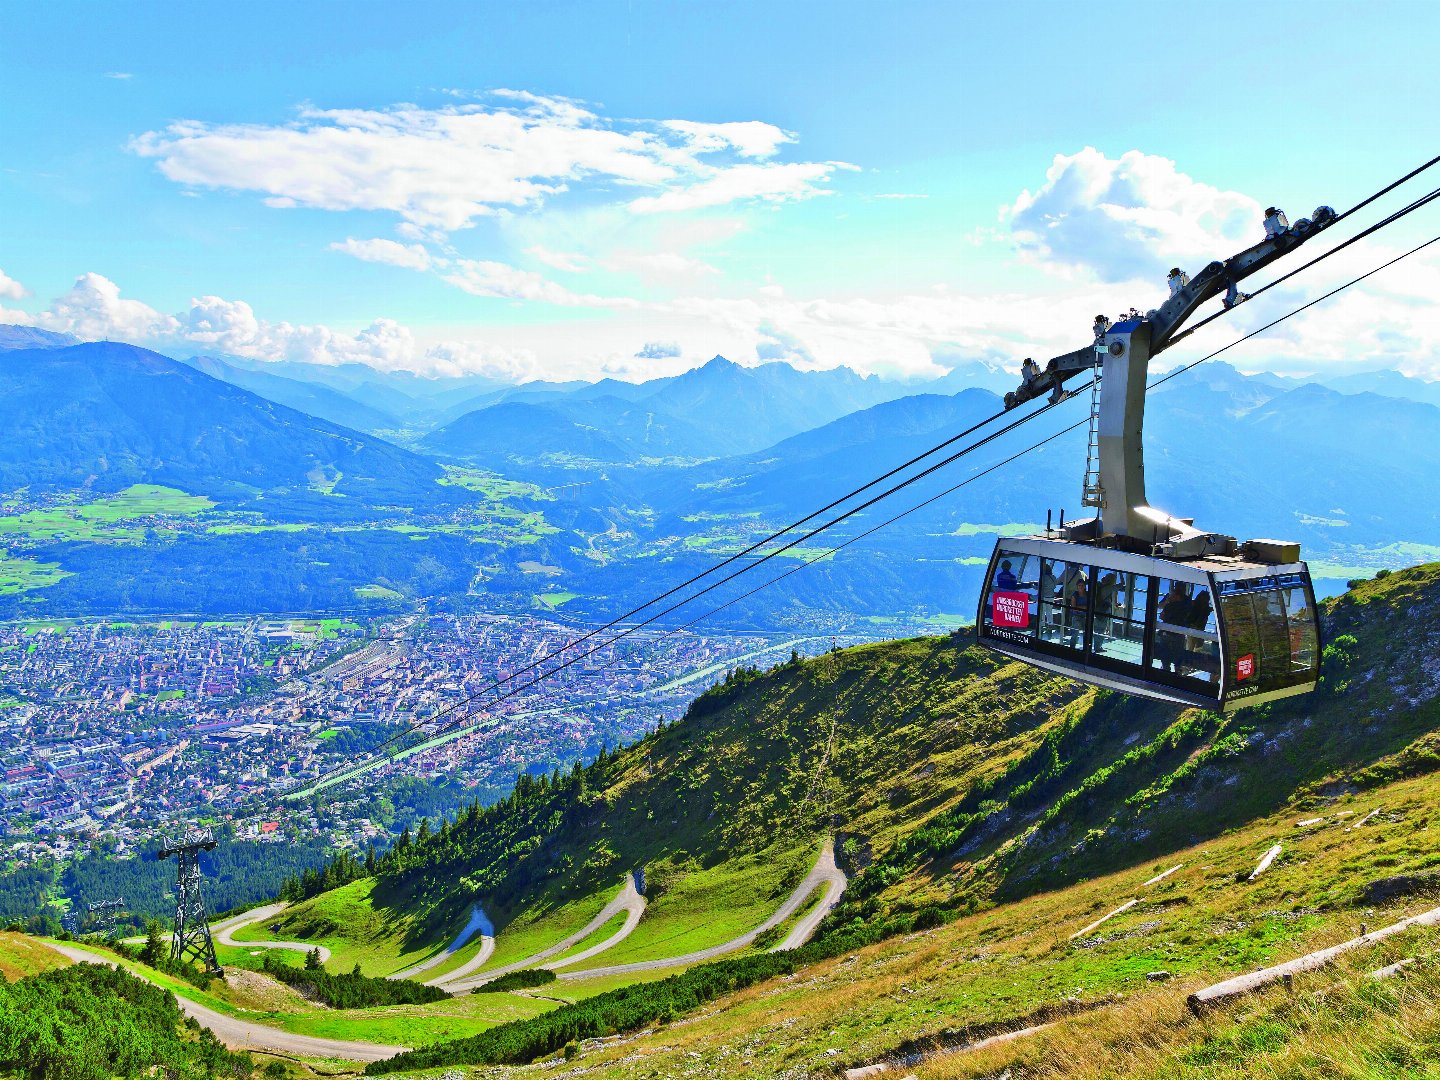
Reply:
x=1092, y=494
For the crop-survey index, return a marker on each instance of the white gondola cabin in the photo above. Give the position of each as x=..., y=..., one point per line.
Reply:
x=1134, y=599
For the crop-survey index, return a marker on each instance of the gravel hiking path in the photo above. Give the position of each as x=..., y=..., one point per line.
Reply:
x=628, y=900
x=243, y=1035
x=479, y=922
x=487, y=948
x=223, y=930
x=824, y=872
x=834, y=881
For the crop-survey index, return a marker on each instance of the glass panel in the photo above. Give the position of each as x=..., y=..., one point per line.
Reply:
x=1274, y=636
x=1270, y=632
x=1242, y=637
x=1064, y=603
x=1303, y=638
x=1120, y=602
x=1011, y=600
x=1186, y=640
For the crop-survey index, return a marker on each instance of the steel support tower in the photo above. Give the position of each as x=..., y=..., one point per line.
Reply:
x=191, y=940
x=105, y=913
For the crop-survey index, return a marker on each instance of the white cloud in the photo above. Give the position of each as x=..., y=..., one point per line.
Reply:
x=745, y=183
x=658, y=266
x=749, y=138
x=441, y=169
x=10, y=289
x=409, y=256
x=481, y=277
x=567, y=262
x=122, y=75
x=1130, y=218
x=93, y=308
x=658, y=350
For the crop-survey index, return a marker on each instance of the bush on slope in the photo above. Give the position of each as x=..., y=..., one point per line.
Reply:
x=89, y=1022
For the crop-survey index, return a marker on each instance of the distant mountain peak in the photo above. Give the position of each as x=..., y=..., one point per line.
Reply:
x=13, y=337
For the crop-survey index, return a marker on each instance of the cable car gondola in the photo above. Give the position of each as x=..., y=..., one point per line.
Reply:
x=1134, y=599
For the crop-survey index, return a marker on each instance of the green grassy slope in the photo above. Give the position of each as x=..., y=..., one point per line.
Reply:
x=952, y=777
x=960, y=785
x=1013, y=965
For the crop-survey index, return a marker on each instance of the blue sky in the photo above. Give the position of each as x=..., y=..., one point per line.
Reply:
x=825, y=182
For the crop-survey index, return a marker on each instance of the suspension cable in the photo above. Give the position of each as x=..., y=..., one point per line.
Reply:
x=730, y=560
x=1424, y=200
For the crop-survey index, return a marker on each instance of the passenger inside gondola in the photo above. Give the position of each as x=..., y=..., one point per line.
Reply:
x=1186, y=641
x=1011, y=600
x=1120, y=603
x=1077, y=603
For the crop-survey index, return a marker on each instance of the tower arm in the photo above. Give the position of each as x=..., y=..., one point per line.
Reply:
x=1166, y=320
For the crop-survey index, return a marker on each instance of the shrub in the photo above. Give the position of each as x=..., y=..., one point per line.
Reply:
x=352, y=991
x=517, y=980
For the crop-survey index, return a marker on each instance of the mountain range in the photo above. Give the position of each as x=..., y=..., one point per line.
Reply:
x=105, y=415
x=620, y=489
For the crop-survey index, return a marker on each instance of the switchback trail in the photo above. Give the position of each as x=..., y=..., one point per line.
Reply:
x=243, y=1035
x=479, y=921
x=628, y=900
x=487, y=948
x=223, y=931
x=824, y=873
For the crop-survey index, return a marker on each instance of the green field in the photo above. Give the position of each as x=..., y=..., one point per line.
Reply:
x=100, y=520
x=144, y=500
x=414, y=1025
x=377, y=592
x=19, y=575
x=1010, y=528
x=553, y=600
x=492, y=485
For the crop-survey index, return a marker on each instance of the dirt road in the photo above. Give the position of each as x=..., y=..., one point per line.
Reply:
x=628, y=899
x=224, y=930
x=824, y=872
x=244, y=1035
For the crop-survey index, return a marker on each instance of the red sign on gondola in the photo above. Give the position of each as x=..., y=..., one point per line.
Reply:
x=1245, y=667
x=1010, y=609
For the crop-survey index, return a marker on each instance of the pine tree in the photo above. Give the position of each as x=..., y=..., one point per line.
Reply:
x=153, y=952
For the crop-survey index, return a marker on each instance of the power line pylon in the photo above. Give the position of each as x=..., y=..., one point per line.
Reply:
x=105, y=914
x=191, y=940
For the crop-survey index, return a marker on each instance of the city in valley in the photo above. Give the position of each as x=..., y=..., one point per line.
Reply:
x=126, y=730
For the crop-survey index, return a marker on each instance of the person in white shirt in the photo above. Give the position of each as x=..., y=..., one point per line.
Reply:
x=1178, y=280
